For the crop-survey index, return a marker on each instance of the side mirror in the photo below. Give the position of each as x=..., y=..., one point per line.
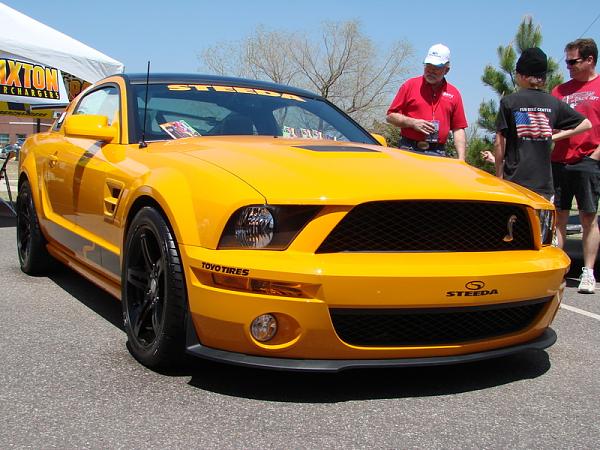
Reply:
x=380, y=139
x=90, y=126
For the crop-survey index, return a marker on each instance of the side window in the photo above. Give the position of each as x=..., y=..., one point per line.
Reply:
x=104, y=102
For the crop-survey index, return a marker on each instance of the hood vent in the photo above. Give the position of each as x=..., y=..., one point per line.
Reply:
x=337, y=148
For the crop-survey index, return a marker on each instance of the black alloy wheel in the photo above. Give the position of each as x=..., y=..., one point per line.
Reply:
x=31, y=244
x=153, y=291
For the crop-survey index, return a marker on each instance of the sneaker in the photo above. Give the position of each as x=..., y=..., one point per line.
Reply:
x=587, y=283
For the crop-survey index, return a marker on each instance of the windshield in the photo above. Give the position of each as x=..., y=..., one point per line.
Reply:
x=182, y=110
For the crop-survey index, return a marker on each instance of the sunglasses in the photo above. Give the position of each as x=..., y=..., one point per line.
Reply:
x=572, y=62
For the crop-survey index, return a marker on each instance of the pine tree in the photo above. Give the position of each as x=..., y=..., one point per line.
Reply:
x=502, y=80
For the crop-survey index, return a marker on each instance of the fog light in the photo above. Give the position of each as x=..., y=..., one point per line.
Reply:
x=264, y=327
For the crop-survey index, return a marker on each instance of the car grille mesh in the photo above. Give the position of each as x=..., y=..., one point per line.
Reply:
x=406, y=327
x=419, y=226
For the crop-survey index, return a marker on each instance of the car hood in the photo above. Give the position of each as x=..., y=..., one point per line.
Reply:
x=328, y=172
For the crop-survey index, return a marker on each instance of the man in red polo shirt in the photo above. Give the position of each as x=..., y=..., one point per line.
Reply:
x=427, y=108
x=576, y=161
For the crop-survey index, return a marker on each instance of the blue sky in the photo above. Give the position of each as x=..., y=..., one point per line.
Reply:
x=172, y=33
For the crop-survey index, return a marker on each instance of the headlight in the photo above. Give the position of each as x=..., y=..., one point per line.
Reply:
x=254, y=227
x=265, y=226
x=546, y=217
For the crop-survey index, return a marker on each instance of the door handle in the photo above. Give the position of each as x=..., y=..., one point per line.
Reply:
x=53, y=161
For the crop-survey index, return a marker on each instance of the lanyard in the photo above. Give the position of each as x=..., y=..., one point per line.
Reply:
x=436, y=103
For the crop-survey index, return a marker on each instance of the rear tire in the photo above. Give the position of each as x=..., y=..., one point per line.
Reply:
x=31, y=243
x=154, y=297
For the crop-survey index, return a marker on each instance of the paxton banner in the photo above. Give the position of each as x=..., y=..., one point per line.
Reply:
x=24, y=81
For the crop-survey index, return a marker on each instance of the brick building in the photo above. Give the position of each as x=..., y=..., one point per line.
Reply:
x=13, y=128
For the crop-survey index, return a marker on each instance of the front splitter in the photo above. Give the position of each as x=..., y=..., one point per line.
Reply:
x=193, y=347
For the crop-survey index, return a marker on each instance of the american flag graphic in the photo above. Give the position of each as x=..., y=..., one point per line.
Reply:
x=532, y=124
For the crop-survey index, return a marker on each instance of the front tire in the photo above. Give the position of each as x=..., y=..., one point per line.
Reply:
x=31, y=243
x=154, y=297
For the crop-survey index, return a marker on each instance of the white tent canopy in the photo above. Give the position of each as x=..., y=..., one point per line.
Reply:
x=25, y=37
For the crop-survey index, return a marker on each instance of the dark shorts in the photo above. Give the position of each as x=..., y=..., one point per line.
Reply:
x=413, y=146
x=580, y=180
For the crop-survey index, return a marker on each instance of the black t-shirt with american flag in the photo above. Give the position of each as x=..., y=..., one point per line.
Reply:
x=526, y=119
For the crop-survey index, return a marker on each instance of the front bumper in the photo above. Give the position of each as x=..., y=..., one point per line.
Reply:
x=194, y=348
x=220, y=318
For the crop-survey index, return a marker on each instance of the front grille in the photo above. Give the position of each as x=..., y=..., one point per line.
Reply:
x=433, y=326
x=436, y=226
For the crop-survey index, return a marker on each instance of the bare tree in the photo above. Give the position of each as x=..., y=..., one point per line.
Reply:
x=342, y=64
x=225, y=58
x=269, y=56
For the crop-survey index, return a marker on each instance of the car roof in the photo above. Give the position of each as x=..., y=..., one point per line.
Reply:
x=191, y=78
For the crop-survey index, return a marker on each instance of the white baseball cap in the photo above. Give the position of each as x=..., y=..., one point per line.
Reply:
x=438, y=55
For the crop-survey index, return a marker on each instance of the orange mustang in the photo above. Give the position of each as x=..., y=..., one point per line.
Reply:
x=257, y=224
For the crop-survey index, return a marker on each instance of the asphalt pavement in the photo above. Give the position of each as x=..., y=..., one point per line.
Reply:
x=68, y=381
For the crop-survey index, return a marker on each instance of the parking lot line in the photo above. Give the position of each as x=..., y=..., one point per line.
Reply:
x=580, y=311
